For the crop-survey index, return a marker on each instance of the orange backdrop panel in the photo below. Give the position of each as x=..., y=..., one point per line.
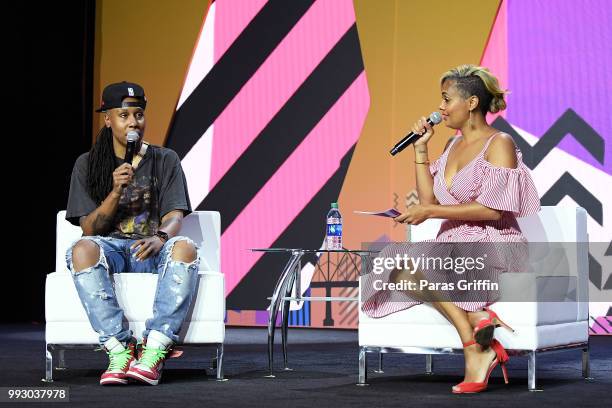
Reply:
x=406, y=46
x=149, y=42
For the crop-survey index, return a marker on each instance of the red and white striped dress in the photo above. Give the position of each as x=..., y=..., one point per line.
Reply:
x=506, y=189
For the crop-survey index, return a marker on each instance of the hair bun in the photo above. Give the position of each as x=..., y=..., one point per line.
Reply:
x=498, y=103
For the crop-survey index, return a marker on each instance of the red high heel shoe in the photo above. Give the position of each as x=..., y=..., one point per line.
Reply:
x=501, y=357
x=483, y=332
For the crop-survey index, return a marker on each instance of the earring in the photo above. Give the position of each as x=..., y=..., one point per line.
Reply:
x=470, y=120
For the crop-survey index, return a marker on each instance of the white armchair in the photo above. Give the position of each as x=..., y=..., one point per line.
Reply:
x=539, y=326
x=67, y=326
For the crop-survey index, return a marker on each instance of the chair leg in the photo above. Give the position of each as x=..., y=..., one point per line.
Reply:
x=532, y=371
x=363, y=367
x=586, y=363
x=61, y=360
x=48, y=365
x=220, y=363
x=429, y=364
x=380, y=363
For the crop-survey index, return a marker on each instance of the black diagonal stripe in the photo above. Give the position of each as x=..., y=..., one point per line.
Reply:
x=570, y=123
x=595, y=272
x=306, y=231
x=569, y=186
x=259, y=38
x=608, y=284
x=332, y=77
x=595, y=322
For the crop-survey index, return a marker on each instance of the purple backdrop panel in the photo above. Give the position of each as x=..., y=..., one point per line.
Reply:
x=560, y=58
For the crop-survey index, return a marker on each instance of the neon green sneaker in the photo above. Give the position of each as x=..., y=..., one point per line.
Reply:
x=150, y=364
x=121, y=359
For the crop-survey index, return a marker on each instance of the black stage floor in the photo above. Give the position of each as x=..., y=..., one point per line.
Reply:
x=325, y=373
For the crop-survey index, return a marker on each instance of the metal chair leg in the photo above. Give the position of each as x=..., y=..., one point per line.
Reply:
x=429, y=364
x=380, y=364
x=61, y=360
x=220, y=363
x=586, y=364
x=48, y=364
x=532, y=372
x=363, y=367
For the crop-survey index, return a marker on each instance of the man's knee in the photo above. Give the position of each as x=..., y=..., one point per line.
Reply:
x=184, y=251
x=85, y=254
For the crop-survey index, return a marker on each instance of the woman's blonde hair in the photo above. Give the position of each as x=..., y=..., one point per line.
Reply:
x=478, y=81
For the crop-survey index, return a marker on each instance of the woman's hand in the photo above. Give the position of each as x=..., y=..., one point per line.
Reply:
x=147, y=247
x=423, y=128
x=415, y=214
x=122, y=176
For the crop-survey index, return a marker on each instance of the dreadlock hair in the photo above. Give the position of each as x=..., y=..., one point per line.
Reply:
x=101, y=166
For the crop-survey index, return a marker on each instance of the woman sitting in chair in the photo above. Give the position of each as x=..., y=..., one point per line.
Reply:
x=479, y=185
x=131, y=214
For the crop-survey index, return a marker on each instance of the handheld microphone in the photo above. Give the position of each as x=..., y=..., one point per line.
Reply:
x=132, y=138
x=412, y=137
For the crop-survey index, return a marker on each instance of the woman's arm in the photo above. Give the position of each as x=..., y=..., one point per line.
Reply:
x=473, y=211
x=467, y=212
x=100, y=221
x=501, y=153
x=171, y=223
x=424, y=180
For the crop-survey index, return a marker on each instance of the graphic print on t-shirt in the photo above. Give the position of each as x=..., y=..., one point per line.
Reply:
x=137, y=213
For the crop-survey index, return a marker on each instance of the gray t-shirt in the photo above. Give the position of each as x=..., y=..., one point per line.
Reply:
x=141, y=206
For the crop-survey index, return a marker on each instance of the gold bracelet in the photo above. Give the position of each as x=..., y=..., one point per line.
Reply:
x=425, y=162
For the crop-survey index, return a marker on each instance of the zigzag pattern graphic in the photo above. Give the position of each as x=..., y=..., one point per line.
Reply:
x=567, y=185
x=570, y=123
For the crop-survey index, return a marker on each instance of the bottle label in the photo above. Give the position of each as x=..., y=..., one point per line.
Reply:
x=334, y=230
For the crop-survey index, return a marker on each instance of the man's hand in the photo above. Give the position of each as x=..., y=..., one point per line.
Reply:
x=122, y=176
x=147, y=247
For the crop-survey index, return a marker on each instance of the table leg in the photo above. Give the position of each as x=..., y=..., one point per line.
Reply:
x=274, y=306
x=285, y=315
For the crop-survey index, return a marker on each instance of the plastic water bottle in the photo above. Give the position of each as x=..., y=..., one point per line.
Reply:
x=334, y=228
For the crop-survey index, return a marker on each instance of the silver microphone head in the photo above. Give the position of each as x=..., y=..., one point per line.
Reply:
x=132, y=136
x=435, y=118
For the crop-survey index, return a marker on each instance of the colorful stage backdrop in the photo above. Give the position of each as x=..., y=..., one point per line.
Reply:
x=286, y=107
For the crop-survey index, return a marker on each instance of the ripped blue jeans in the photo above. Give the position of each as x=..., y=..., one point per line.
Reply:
x=176, y=287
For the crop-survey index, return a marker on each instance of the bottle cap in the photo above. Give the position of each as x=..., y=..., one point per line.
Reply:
x=334, y=205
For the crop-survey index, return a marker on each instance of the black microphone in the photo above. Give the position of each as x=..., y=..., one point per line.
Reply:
x=412, y=137
x=132, y=138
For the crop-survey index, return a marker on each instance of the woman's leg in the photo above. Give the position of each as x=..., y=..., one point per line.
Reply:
x=89, y=260
x=177, y=267
x=477, y=361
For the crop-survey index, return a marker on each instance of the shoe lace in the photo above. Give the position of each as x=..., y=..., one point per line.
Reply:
x=151, y=356
x=119, y=360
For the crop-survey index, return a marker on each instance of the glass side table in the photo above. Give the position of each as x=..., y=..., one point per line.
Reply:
x=281, y=295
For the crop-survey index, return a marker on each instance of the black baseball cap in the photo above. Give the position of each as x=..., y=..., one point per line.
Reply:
x=114, y=94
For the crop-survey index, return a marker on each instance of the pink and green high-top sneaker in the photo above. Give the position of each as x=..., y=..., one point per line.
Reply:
x=154, y=352
x=121, y=357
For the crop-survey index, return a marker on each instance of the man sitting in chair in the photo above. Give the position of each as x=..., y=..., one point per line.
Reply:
x=130, y=215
